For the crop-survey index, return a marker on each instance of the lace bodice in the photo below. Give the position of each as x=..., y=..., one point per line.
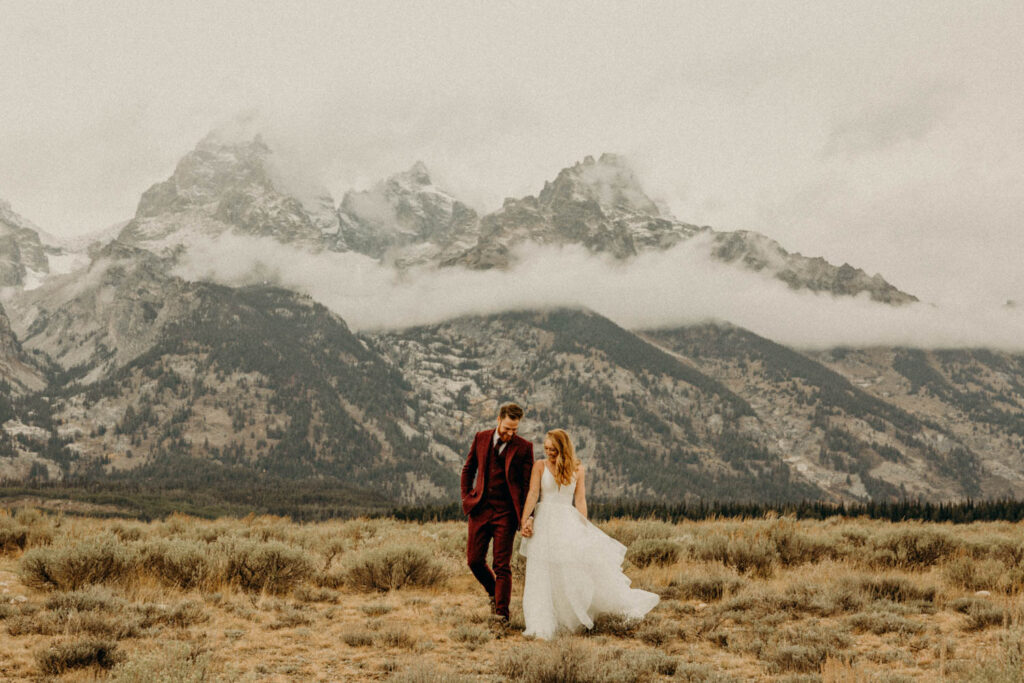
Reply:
x=551, y=492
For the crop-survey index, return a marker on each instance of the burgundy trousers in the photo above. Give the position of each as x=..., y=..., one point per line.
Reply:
x=501, y=528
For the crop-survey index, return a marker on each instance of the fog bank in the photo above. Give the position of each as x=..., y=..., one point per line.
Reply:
x=680, y=286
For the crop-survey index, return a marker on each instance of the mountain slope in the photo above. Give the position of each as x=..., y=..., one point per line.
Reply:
x=261, y=381
x=840, y=435
x=646, y=424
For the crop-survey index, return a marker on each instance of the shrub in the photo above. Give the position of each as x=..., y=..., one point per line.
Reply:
x=473, y=636
x=706, y=587
x=803, y=658
x=895, y=588
x=115, y=626
x=692, y=672
x=393, y=567
x=617, y=625
x=376, y=609
x=981, y=617
x=397, y=637
x=793, y=547
x=648, y=551
x=13, y=536
x=883, y=622
x=804, y=649
x=174, y=663
x=914, y=548
x=94, y=561
x=655, y=632
x=570, y=660
x=178, y=563
x=265, y=566
x=628, y=531
x=61, y=657
x=759, y=602
x=290, y=618
x=357, y=638
x=332, y=578
x=90, y=599
x=964, y=605
x=973, y=575
x=183, y=614
x=422, y=672
x=126, y=533
x=26, y=530
x=755, y=554
x=1007, y=667
x=308, y=594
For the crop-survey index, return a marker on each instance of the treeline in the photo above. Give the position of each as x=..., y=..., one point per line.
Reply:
x=303, y=501
x=963, y=512
x=318, y=500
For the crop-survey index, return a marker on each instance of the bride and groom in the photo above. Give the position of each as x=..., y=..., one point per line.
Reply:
x=573, y=569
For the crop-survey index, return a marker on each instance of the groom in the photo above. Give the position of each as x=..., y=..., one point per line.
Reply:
x=495, y=481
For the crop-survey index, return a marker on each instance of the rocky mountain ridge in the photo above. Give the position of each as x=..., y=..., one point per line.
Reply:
x=22, y=253
x=407, y=221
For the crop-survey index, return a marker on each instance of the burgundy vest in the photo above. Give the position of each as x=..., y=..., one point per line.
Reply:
x=497, y=496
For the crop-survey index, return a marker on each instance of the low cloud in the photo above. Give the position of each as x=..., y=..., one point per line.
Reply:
x=676, y=287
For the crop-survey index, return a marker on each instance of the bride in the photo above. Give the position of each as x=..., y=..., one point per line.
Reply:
x=573, y=569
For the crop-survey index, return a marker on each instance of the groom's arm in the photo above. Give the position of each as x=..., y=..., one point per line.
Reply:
x=469, y=471
x=526, y=472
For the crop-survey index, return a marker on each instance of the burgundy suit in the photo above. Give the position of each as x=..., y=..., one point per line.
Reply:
x=494, y=488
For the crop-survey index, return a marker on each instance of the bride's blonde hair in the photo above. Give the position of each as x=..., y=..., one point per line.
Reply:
x=566, y=461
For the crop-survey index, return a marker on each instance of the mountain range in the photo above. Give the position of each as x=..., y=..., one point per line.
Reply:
x=115, y=368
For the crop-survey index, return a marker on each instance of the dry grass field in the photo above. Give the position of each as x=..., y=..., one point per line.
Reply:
x=263, y=598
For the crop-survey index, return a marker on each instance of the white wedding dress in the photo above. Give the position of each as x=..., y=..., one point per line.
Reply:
x=573, y=569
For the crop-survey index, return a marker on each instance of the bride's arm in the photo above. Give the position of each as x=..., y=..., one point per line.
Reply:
x=580, y=499
x=533, y=495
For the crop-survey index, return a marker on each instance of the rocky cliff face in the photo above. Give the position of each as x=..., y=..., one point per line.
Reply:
x=406, y=220
x=95, y=321
x=597, y=204
x=756, y=252
x=222, y=186
x=22, y=254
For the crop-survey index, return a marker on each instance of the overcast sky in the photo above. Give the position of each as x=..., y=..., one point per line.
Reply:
x=887, y=135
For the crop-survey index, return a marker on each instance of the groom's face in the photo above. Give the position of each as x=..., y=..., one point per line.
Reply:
x=507, y=428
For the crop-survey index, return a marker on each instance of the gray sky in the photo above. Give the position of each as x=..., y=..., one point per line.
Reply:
x=884, y=134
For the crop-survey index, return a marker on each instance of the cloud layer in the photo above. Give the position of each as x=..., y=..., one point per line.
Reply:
x=676, y=287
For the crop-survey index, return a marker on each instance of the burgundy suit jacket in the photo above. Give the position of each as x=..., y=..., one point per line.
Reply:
x=518, y=455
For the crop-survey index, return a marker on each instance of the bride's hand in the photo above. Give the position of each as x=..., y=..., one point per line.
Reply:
x=528, y=528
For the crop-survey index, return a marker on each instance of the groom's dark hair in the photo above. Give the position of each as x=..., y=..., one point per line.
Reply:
x=511, y=411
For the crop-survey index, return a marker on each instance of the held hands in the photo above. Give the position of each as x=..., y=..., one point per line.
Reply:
x=527, y=530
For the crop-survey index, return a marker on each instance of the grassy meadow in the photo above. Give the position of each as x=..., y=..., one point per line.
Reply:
x=263, y=598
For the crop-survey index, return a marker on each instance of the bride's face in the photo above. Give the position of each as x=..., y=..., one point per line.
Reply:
x=549, y=449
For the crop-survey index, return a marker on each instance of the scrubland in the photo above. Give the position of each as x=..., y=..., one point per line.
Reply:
x=263, y=598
